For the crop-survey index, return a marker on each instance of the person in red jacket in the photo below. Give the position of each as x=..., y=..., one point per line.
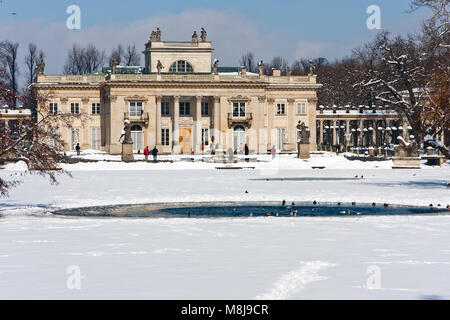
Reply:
x=146, y=153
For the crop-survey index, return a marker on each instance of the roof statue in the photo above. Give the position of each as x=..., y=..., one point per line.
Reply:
x=195, y=37
x=312, y=68
x=159, y=66
x=40, y=68
x=261, y=67
x=203, y=35
x=216, y=66
x=156, y=35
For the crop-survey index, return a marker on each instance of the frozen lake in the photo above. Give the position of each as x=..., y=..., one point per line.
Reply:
x=352, y=257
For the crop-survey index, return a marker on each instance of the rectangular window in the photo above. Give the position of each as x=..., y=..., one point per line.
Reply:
x=165, y=108
x=53, y=138
x=238, y=109
x=281, y=108
x=301, y=108
x=75, y=108
x=74, y=137
x=205, y=137
x=53, y=108
x=96, y=108
x=185, y=108
x=96, y=138
x=205, y=108
x=136, y=109
x=165, y=137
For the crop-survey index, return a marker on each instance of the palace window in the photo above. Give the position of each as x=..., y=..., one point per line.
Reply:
x=165, y=108
x=281, y=108
x=181, y=66
x=96, y=108
x=205, y=108
x=165, y=137
x=135, y=108
x=75, y=108
x=53, y=108
x=301, y=108
x=238, y=109
x=185, y=108
x=96, y=138
x=205, y=137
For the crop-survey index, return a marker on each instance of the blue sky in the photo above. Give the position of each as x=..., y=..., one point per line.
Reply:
x=291, y=28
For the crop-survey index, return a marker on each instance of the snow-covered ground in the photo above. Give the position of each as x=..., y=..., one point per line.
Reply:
x=241, y=258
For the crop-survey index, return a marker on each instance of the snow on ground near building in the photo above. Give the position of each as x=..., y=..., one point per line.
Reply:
x=241, y=258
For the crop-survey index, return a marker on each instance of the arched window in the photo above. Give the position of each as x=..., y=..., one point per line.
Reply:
x=181, y=66
x=238, y=138
x=137, y=137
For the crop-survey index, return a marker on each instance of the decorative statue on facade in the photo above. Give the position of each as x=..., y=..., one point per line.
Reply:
x=159, y=66
x=155, y=36
x=40, y=68
x=312, y=68
x=406, y=154
x=195, y=37
x=126, y=133
x=127, y=142
x=203, y=35
x=158, y=34
x=216, y=66
x=261, y=67
x=303, y=143
x=114, y=64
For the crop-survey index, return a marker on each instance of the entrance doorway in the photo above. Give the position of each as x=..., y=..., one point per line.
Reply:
x=238, y=139
x=137, y=137
x=185, y=140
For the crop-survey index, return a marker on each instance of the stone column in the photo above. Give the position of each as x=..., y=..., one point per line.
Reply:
x=262, y=131
x=198, y=126
x=85, y=133
x=176, y=125
x=321, y=134
x=333, y=123
x=216, y=112
x=270, y=115
x=158, y=121
x=291, y=125
x=361, y=133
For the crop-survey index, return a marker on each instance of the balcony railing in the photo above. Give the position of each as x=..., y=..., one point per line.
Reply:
x=137, y=117
x=245, y=120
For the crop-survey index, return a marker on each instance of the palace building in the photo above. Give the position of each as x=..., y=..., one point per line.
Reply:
x=183, y=102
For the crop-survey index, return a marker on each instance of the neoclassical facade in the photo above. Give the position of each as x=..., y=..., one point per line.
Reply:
x=182, y=102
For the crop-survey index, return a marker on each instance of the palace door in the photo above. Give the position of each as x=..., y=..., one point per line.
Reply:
x=185, y=140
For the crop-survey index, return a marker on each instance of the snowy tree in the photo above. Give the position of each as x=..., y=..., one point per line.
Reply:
x=401, y=77
x=34, y=141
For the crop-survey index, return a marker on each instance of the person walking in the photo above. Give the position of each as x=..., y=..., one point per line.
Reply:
x=274, y=152
x=78, y=148
x=146, y=153
x=155, y=154
x=246, y=151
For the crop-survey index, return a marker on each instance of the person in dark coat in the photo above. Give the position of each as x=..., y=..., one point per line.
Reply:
x=78, y=148
x=155, y=154
x=246, y=151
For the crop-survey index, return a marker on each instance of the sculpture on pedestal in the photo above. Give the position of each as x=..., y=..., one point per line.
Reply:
x=406, y=154
x=303, y=141
x=127, y=142
x=203, y=35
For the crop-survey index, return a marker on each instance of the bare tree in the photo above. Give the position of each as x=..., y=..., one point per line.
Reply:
x=131, y=56
x=31, y=61
x=84, y=60
x=248, y=60
x=117, y=55
x=8, y=60
x=438, y=26
x=36, y=142
x=401, y=77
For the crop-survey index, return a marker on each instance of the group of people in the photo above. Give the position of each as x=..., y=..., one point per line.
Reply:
x=154, y=152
